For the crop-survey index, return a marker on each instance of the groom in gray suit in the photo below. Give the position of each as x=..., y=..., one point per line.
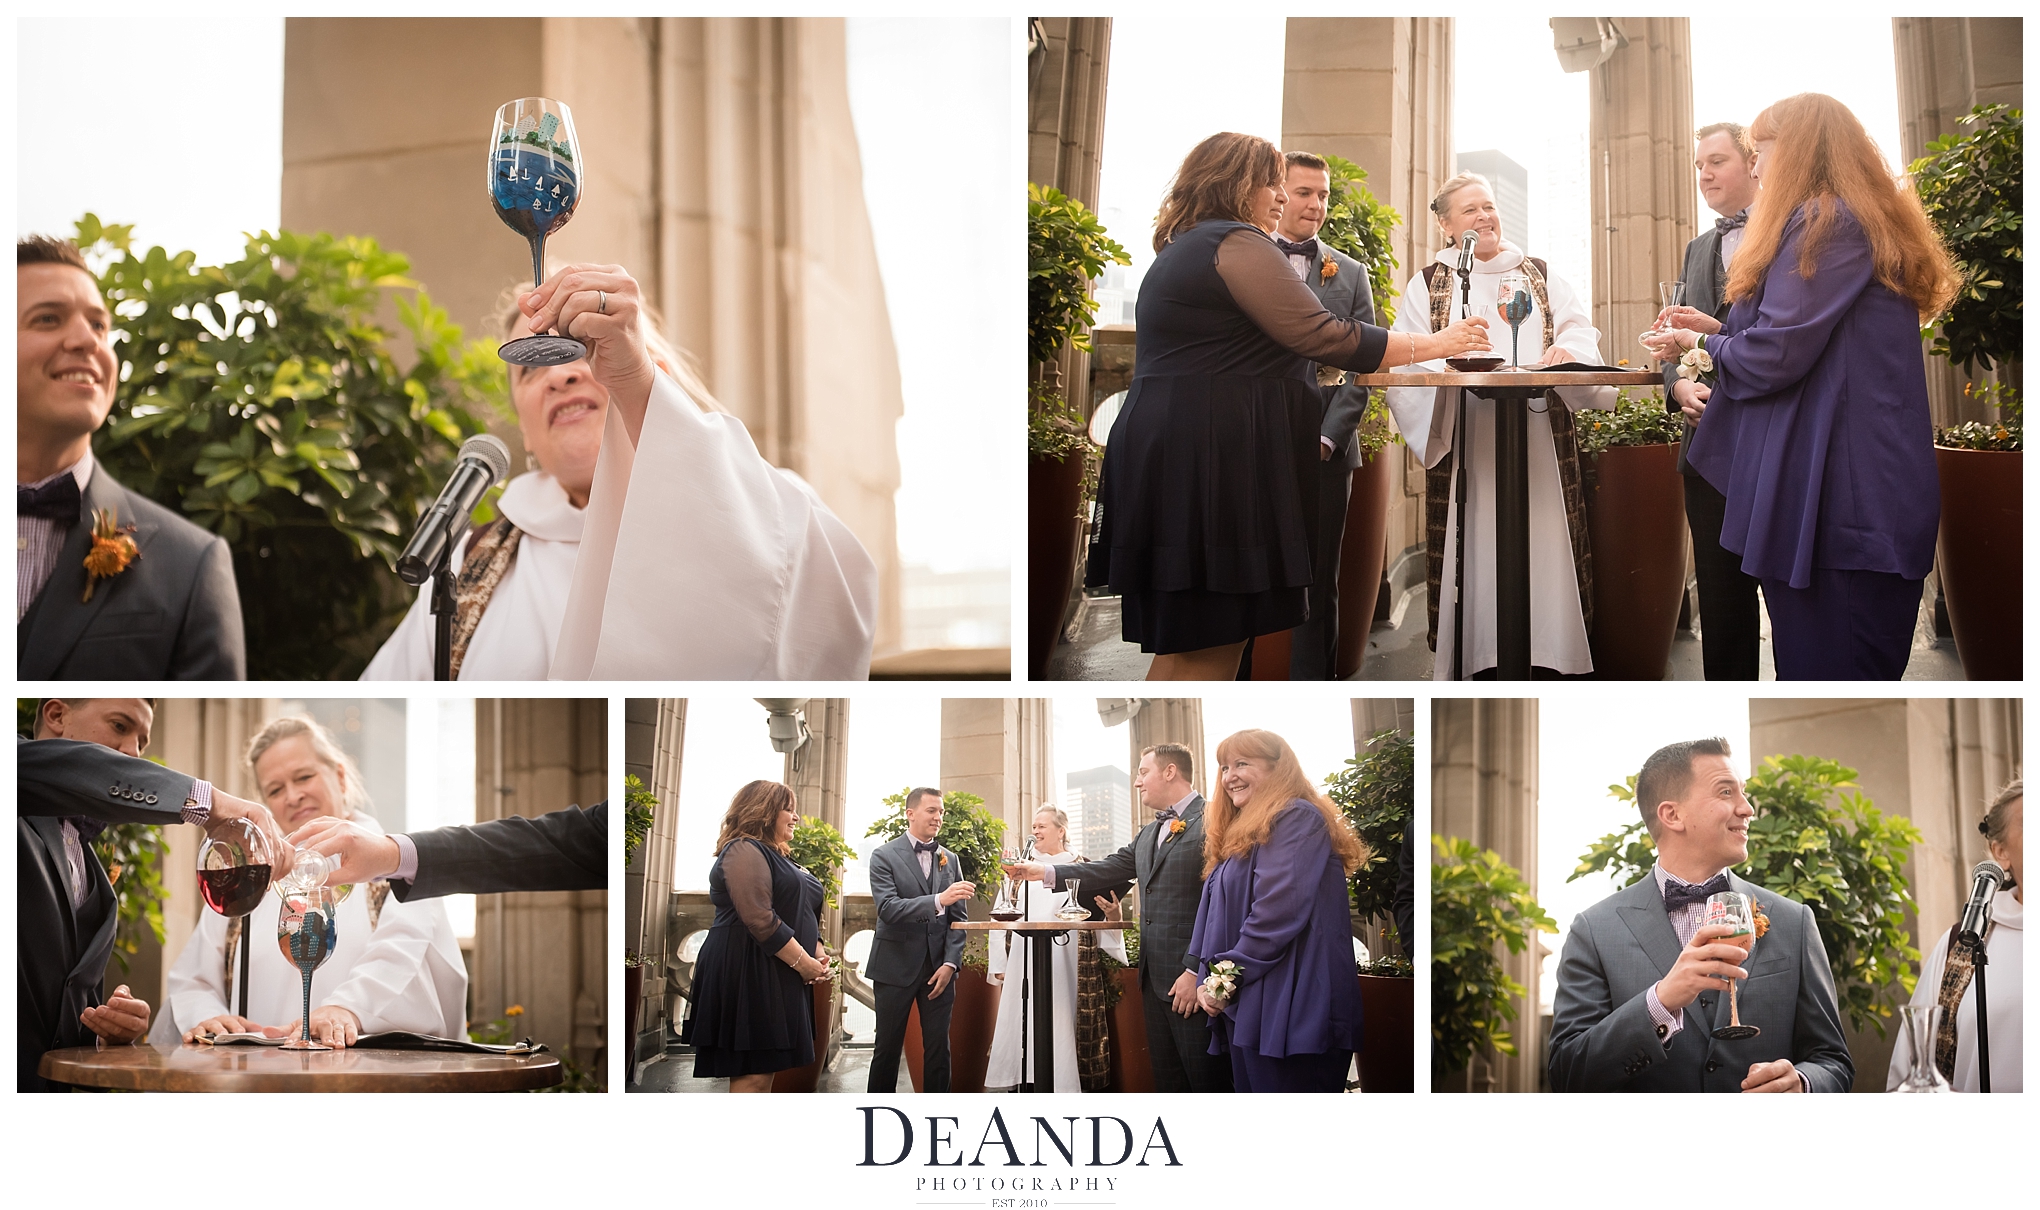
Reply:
x=1342, y=285
x=918, y=888
x=1167, y=860
x=1643, y=984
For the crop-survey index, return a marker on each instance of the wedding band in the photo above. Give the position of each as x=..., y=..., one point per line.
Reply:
x=601, y=303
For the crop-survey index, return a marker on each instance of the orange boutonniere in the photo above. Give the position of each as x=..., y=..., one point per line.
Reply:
x=1176, y=827
x=111, y=552
x=1761, y=922
x=942, y=859
x=1329, y=269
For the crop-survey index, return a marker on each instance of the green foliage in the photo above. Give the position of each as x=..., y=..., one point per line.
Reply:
x=1973, y=189
x=1640, y=420
x=638, y=803
x=1376, y=793
x=1388, y=966
x=821, y=850
x=2009, y=433
x=1067, y=249
x=1816, y=840
x=968, y=830
x=502, y=1032
x=1478, y=901
x=263, y=400
x=1358, y=224
x=1054, y=428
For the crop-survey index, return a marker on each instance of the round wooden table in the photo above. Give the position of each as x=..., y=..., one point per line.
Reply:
x=1040, y=936
x=146, y=1068
x=1512, y=391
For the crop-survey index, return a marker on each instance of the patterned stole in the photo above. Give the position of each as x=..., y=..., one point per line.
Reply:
x=1956, y=973
x=1438, y=478
x=490, y=556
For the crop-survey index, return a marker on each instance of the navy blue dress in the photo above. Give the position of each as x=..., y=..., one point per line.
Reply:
x=1207, y=502
x=752, y=1013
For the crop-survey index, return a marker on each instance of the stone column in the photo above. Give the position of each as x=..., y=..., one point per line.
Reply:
x=1946, y=67
x=1640, y=175
x=1381, y=714
x=1378, y=91
x=1484, y=789
x=1167, y=720
x=1067, y=61
x=655, y=732
x=1000, y=749
x=544, y=950
x=817, y=772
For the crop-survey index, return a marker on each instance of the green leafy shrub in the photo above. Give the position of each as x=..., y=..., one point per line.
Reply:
x=2007, y=434
x=1636, y=420
x=1973, y=189
x=820, y=849
x=263, y=400
x=1376, y=793
x=638, y=804
x=1816, y=840
x=1478, y=901
x=1067, y=249
x=968, y=830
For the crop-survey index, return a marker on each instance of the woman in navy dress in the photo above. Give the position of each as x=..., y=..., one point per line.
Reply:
x=1208, y=495
x=1276, y=859
x=754, y=1011
x=1817, y=431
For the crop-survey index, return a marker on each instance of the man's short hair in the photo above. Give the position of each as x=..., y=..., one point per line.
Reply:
x=915, y=795
x=1303, y=159
x=1737, y=133
x=1173, y=754
x=1668, y=774
x=48, y=250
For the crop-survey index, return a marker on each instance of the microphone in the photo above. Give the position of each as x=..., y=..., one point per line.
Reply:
x=1987, y=876
x=484, y=462
x=1466, y=243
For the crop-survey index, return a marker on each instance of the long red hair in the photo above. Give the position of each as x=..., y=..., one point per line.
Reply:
x=1819, y=155
x=1217, y=180
x=1231, y=831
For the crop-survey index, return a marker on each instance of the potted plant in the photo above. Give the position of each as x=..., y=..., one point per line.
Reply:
x=638, y=805
x=973, y=834
x=1478, y=902
x=1636, y=525
x=1067, y=249
x=1982, y=551
x=1376, y=794
x=820, y=849
x=1126, y=1027
x=1816, y=840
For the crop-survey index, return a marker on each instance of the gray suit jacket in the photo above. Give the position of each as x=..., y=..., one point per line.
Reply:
x=1602, y=1035
x=1170, y=882
x=913, y=927
x=1704, y=292
x=173, y=615
x=1348, y=295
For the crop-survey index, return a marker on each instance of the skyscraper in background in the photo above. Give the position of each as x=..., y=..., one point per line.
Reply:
x=1099, y=803
x=1511, y=183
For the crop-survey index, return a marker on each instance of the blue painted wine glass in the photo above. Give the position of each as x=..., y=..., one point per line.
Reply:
x=535, y=174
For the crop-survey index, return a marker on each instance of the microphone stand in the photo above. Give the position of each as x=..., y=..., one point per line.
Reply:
x=1027, y=968
x=1980, y=957
x=1459, y=489
x=442, y=615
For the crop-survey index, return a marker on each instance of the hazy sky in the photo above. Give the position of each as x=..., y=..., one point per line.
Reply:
x=947, y=310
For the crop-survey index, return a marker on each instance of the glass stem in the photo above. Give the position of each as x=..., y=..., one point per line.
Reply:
x=537, y=261
x=305, y=1030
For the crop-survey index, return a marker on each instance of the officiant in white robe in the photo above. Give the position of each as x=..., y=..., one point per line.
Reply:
x=1007, y=961
x=654, y=541
x=1426, y=416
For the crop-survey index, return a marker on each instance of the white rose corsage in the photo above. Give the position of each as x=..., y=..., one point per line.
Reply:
x=1223, y=983
x=1696, y=365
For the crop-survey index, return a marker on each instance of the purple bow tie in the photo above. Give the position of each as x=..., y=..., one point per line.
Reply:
x=1680, y=895
x=1728, y=223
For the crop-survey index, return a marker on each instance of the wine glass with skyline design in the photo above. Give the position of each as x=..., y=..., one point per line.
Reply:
x=535, y=174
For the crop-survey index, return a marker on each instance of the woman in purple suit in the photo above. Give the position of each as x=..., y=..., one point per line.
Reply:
x=1817, y=430
x=1276, y=858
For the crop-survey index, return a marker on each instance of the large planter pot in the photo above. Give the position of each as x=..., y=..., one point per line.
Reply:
x=808, y=1078
x=1982, y=559
x=633, y=996
x=1362, y=547
x=971, y=1021
x=1388, y=1010
x=1127, y=1030
x=1636, y=520
x=1054, y=503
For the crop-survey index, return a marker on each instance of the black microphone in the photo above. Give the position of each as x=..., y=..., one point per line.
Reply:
x=1987, y=876
x=1466, y=243
x=484, y=462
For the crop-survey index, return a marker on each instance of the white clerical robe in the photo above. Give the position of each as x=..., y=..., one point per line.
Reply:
x=406, y=974
x=711, y=564
x=1006, y=959
x=2006, y=979
x=1558, y=630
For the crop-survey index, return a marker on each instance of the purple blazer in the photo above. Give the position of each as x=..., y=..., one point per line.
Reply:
x=1280, y=911
x=1818, y=431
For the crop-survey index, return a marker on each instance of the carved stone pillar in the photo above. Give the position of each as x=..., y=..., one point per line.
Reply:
x=1000, y=749
x=655, y=731
x=1484, y=789
x=1640, y=175
x=1066, y=72
x=1378, y=91
x=817, y=772
x=1372, y=714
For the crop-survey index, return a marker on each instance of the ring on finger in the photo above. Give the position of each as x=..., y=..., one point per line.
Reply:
x=601, y=303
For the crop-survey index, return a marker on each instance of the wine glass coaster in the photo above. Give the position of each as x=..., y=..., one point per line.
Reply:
x=1736, y=1033
x=542, y=351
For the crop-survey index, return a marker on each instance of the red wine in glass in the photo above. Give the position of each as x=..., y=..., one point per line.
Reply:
x=234, y=890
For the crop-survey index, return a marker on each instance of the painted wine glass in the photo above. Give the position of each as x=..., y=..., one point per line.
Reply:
x=305, y=933
x=1733, y=909
x=535, y=174
x=1513, y=300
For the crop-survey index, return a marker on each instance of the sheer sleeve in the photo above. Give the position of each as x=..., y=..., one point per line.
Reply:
x=748, y=878
x=1268, y=290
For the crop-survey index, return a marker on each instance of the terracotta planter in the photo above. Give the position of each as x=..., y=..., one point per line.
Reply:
x=971, y=1021
x=808, y=1078
x=1127, y=1029
x=1362, y=547
x=1982, y=559
x=1636, y=520
x=1054, y=504
x=1388, y=1013
x=633, y=996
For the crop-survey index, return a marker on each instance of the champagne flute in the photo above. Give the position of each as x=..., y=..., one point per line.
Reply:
x=1670, y=294
x=1733, y=908
x=1513, y=300
x=535, y=172
x=305, y=933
